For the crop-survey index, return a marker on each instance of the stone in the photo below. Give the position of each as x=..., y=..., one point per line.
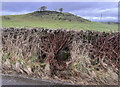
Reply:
x=47, y=69
x=7, y=63
x=28, y=70
x=63, y=55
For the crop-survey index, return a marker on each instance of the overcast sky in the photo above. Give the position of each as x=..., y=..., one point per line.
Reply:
x=88, y=10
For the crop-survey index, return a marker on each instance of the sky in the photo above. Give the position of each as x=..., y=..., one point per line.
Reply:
x=88, y=10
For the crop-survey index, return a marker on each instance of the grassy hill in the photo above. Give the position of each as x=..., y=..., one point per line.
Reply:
x=55, y=20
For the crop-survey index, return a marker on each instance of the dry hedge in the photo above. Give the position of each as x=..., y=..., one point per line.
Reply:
x=46, y=45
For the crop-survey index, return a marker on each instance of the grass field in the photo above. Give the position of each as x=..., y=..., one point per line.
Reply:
x=45, y=21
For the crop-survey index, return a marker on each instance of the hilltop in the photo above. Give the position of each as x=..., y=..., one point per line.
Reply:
x=54, y=15
x=54, y=20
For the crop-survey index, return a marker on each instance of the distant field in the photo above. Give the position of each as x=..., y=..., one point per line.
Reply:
x=46, y=22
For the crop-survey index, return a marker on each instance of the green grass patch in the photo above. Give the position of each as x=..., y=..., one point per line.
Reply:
x=53, y=22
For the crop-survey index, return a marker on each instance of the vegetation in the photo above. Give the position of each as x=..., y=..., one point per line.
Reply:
x=43, y=8
x=82, y=57
x=61, y=9
x=55, y=20
x=41, y=53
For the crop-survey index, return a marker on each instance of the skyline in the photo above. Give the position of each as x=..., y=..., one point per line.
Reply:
x=88, y=10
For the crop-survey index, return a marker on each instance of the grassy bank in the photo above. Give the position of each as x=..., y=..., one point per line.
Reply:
x=55, y=20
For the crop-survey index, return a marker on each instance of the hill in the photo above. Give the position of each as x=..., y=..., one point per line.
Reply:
x=54, y=15
x=54, y=20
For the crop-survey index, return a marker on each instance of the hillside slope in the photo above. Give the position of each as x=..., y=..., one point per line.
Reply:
x=51, y=15
x=54, y=20
x=54, y=15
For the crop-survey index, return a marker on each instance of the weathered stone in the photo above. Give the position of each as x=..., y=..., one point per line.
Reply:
x=7, y=63
x=63, y=55
x=47, y=69
x=28, y=70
